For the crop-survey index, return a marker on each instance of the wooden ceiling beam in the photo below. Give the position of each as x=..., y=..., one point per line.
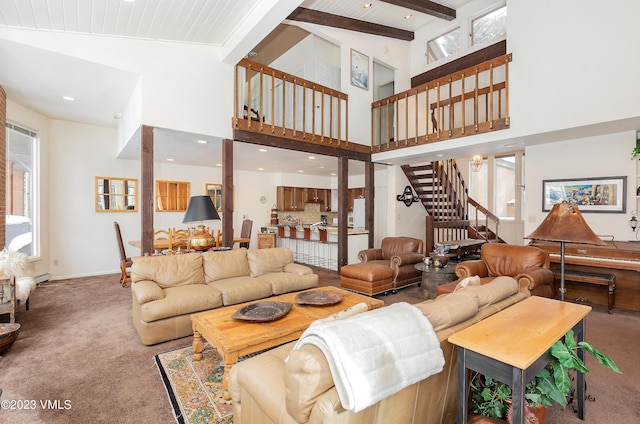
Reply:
x=302, y=14
x=427, y=7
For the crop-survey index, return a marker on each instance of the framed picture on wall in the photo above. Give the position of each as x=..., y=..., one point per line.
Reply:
x=600, y=194
x=359, y=70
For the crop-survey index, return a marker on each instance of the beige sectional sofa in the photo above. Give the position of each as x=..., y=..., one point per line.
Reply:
x=266, y=389
x=166, y=290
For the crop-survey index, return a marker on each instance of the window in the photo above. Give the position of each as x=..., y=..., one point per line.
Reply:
x=505, y=175
x=489, y=27
x=505, y=186
x=21, y=223
x=444, y=46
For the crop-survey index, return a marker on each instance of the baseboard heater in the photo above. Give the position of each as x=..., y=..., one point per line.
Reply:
x=42, y=278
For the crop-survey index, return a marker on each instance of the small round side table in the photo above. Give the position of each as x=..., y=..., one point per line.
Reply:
x=432, y=277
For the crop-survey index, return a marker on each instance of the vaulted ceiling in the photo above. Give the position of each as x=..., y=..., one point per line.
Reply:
x=204, y=22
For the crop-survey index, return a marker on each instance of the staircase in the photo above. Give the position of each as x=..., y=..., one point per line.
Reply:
x=443, y=193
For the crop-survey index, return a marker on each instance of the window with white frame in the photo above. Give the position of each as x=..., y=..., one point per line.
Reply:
x=444, y=46
x=490, y=26
x=504, y=175
x=21, y=174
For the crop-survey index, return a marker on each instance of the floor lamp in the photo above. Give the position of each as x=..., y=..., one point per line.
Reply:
x=565, y=224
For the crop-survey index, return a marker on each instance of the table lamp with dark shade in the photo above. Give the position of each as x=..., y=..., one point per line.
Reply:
x=565, y=224
x=200, y=209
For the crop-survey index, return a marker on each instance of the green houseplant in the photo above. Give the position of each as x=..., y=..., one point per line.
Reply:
x=551, y=385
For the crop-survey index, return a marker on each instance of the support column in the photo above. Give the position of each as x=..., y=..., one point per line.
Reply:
x=146, y=190
x=227, y=193
x=369, y=200
x=343, y=224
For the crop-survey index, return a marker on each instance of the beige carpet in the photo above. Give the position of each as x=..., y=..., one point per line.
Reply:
x=77, y=343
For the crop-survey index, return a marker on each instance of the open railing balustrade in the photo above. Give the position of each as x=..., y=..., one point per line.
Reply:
x=472, y=101
x=280, y=104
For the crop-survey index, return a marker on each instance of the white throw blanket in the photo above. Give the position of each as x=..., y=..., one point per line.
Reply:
x=375, y=354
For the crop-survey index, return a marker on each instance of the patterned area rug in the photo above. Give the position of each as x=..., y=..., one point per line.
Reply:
x=195, y=387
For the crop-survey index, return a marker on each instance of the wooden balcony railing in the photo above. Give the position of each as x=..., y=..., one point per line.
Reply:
x=280, y=104
x=472, y=101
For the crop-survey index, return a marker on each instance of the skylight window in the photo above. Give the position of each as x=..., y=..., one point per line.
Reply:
x=444, y=46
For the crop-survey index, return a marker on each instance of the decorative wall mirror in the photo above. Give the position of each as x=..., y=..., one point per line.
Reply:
x=172, y=196
x=215, y=192
x=116, y=194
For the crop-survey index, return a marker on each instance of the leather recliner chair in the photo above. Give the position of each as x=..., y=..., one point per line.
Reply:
x=528, y=265
x=389, y=267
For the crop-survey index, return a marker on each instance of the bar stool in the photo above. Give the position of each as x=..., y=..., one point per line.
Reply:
x=293, y=243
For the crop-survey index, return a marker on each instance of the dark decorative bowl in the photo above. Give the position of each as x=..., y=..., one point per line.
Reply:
x=439, y=260
x=8, y=335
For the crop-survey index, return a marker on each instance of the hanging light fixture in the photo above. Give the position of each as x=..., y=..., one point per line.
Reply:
x=476, y=162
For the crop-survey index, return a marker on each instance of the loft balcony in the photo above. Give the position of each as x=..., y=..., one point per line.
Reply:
x=468, y=102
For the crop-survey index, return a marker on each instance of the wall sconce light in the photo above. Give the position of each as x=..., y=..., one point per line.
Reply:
x=633, y=222
x=407, y=197
x=476, y=162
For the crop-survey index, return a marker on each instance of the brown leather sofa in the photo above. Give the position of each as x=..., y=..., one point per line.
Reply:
x=527, y=264
x=269, y=388
x=389, y=267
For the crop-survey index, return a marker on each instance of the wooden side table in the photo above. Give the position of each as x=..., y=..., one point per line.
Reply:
x=513, y=345
x=266, y=240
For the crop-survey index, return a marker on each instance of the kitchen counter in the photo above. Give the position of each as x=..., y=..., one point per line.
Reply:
x=312, y=251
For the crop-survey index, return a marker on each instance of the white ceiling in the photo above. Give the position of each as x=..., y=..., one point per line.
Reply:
x=38, y=79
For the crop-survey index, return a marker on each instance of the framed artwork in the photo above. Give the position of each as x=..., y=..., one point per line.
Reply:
x=600, y=194
x=359, y=70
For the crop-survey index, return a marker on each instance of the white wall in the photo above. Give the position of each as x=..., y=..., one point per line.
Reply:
x=182, y=86
x=600, y=156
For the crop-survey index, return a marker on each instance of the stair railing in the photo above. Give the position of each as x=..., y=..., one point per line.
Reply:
x=483, y=218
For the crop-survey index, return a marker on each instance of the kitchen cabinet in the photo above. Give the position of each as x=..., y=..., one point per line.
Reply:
x=319, y=195
x=290, y=198
x=354, y=193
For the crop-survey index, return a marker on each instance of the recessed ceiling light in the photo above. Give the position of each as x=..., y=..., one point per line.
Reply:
x=262, y=150
x=202, y=141
x=170, y=160
x=218, y=164
x=408, y=16
x=439, y=155
x=260, y=169
x=68, y=98
x=333, y=174
x=300, y=170
x=510, y=145
x=367, y=5
x=312, y=157
x=128, y=1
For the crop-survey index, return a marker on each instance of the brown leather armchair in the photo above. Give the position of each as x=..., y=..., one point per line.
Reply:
x=527, y=264
x=389, y=267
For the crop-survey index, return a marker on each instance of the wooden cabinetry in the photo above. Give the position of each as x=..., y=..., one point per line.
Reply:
x=319, y=195
x=354, y=193
x=266, y=240
x=290, y=198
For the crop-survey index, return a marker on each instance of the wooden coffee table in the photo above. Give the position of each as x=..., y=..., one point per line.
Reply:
x=234, y=338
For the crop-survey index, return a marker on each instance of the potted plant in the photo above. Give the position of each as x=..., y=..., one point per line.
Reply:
x=551, y=385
